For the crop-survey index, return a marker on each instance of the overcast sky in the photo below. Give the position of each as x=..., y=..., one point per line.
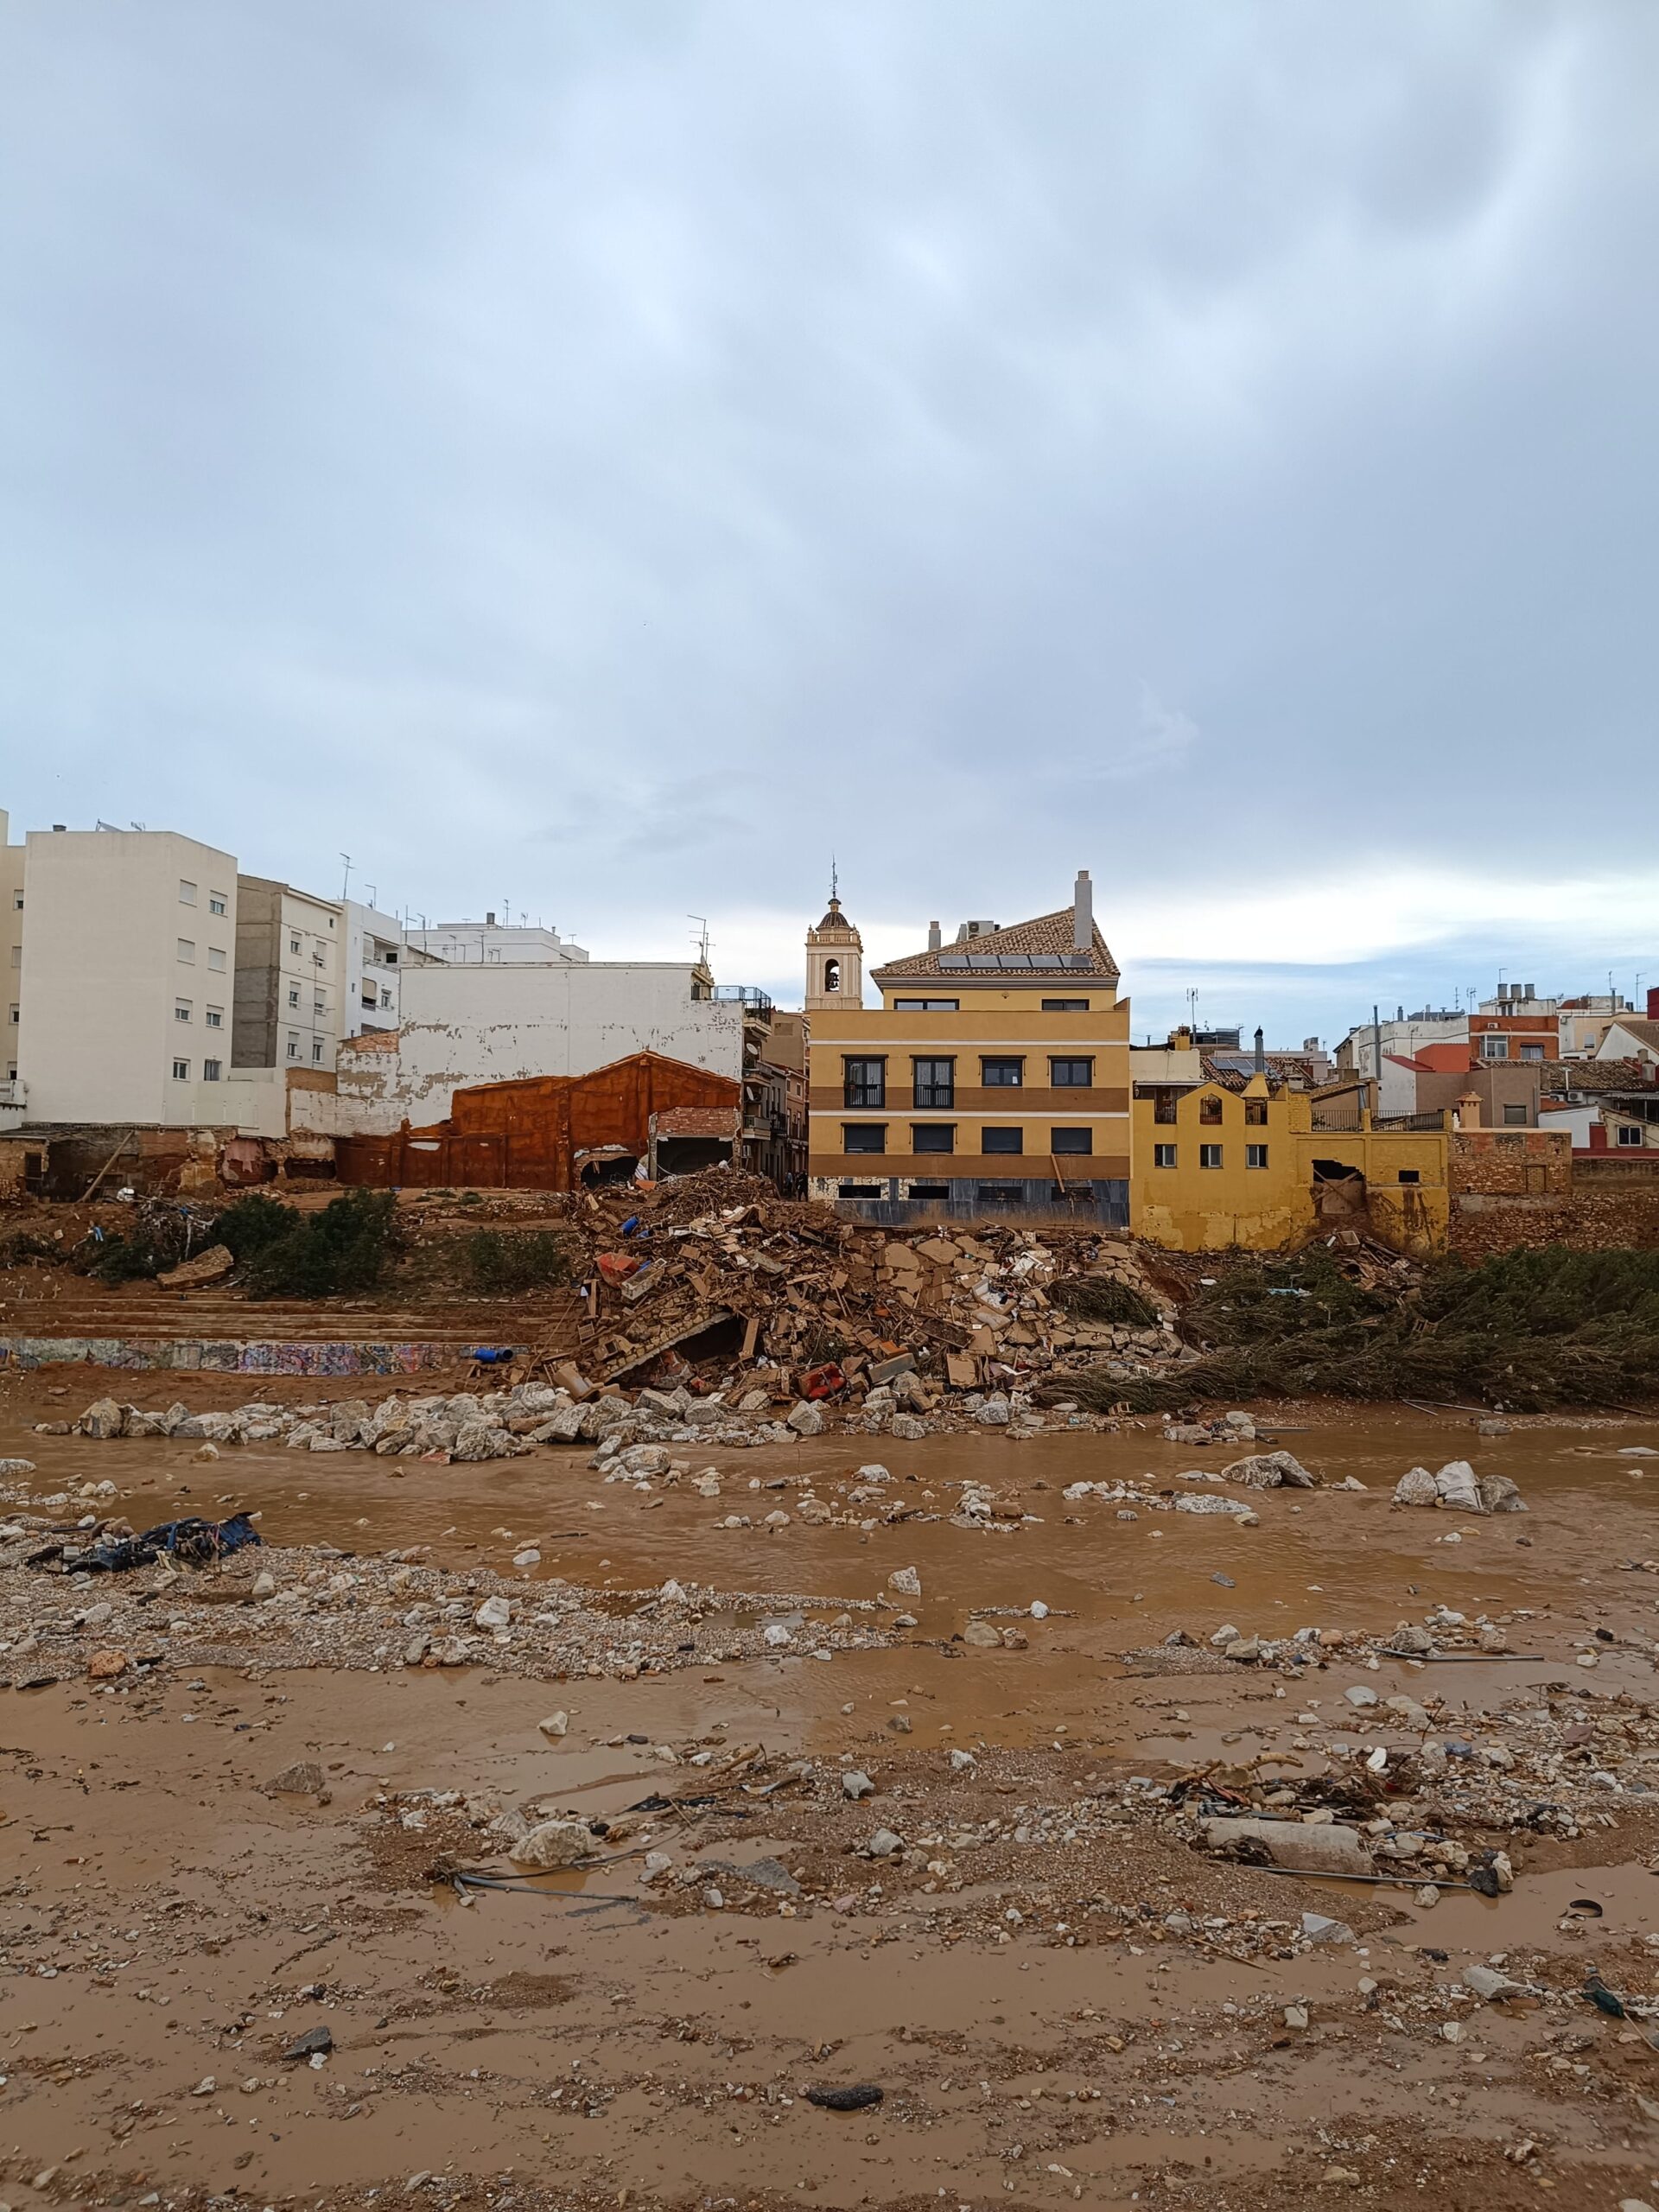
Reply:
x=607, y=459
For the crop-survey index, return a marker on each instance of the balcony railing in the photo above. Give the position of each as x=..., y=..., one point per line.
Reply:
x=743, y=994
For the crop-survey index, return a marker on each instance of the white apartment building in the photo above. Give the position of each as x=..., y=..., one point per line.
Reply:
x=374, y=957
x=490, y=944
x=288, y=976
x=11, y=958
x=125, y=975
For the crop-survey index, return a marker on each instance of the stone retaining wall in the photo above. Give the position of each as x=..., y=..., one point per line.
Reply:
x=228, y=1355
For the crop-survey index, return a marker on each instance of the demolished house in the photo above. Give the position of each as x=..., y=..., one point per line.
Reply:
x=646, y=1116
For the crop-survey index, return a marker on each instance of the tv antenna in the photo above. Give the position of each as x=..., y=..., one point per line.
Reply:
x=703, y=941
x=346, y=883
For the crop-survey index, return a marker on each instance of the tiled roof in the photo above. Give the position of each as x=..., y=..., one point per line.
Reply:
x=1049, y=933
x=1595, y=1079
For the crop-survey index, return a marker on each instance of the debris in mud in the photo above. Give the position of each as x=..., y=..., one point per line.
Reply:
x=859, y=2098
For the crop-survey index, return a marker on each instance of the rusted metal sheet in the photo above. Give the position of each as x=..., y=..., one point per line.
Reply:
x=526, y=1136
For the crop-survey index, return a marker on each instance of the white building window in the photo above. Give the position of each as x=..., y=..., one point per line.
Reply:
x=16, y=1016
x=1629, y=1134
x=181, y=1071
x=186, y=894
x=216, y=958
x=316, y=1048
x=214, y=1017
x=181, y=1009
x=293, y=1044
x=294, y=996
x=385, y=998
x=293, y=945
x=186, y=952
x=1494, y=1045
x=217, y=903
x=210, y=1070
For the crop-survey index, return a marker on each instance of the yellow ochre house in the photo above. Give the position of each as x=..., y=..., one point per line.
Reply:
x=993, y=1080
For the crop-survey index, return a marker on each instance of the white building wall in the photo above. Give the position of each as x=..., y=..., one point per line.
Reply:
x=11, y=949
x=495, y=944
x=1405, y=1037
x=373, y=956
x=127, y=970
x=464, y=1026
x=309, y=958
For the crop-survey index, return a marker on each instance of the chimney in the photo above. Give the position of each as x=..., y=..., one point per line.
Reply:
x=1469, y=1111
x=1261, y=1056
x=1083, y=913
x=490, y=919
x=934, y=938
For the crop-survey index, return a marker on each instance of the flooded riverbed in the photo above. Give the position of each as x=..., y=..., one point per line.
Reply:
x=1069, y=2011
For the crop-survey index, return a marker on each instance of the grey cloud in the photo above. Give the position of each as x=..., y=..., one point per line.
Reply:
x=564, y=437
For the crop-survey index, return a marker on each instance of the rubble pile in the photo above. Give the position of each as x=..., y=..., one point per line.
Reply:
x=961, y=1310
x=316, y=1605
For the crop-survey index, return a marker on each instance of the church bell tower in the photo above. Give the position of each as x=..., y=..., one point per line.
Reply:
x=834, y=961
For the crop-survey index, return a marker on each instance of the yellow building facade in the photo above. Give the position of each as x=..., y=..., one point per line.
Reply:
x=993, y=1079
x=1214, y=1169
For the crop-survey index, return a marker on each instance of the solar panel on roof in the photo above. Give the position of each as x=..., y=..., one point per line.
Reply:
x=1079, y=959
x=1045, y=959
x=983, y=960
x=1013, y=960
x=953, y=960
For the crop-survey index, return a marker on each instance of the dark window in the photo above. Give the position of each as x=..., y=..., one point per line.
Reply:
x=927, y=1005
x=1209, y=1155
x=1210, y=1109
x=1065, y=1006
x=1629, y=1134
x=1164, y=1103
x=1003, y=1140
x=932, y=1136
x=1255, y=1155
x=1071, y=1140
x=1163, y=1155
x=1001, y=1194
x=935, y=1083
x=1410, y=1175
x=864, y=1083
x=860, y=1190
x=1004, y=1075
x=1072, y=1074
x=1515, y=1116
x=1255, y=1113
x=930, y=1190
x=864, y=1137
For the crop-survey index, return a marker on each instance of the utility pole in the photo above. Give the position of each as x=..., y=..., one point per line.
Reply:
x=346, y=883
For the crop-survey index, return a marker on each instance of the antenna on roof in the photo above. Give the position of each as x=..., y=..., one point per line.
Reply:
x=835, y=880
x=703, y=942
x=346, y=883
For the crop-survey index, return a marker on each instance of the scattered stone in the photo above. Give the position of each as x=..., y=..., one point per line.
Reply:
x=553, y=1844
x=555, y=1724
x=303, y=1779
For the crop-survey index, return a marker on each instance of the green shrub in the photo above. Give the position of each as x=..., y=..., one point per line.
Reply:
x=338, y=1253
x=252, y=1222
x=500, y=1263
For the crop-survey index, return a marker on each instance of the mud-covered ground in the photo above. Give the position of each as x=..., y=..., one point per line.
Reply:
x=1016, y=1934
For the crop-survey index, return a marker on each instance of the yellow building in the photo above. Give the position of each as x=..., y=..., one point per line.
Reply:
x=1266, y=1170
x=993, y=1079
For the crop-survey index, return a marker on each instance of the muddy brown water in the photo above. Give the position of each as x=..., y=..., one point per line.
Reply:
x=167, y=1913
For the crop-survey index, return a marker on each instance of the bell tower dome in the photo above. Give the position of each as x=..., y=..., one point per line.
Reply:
x=834, y=961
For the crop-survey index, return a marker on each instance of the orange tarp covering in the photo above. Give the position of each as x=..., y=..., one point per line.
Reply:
x=526, y=1136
